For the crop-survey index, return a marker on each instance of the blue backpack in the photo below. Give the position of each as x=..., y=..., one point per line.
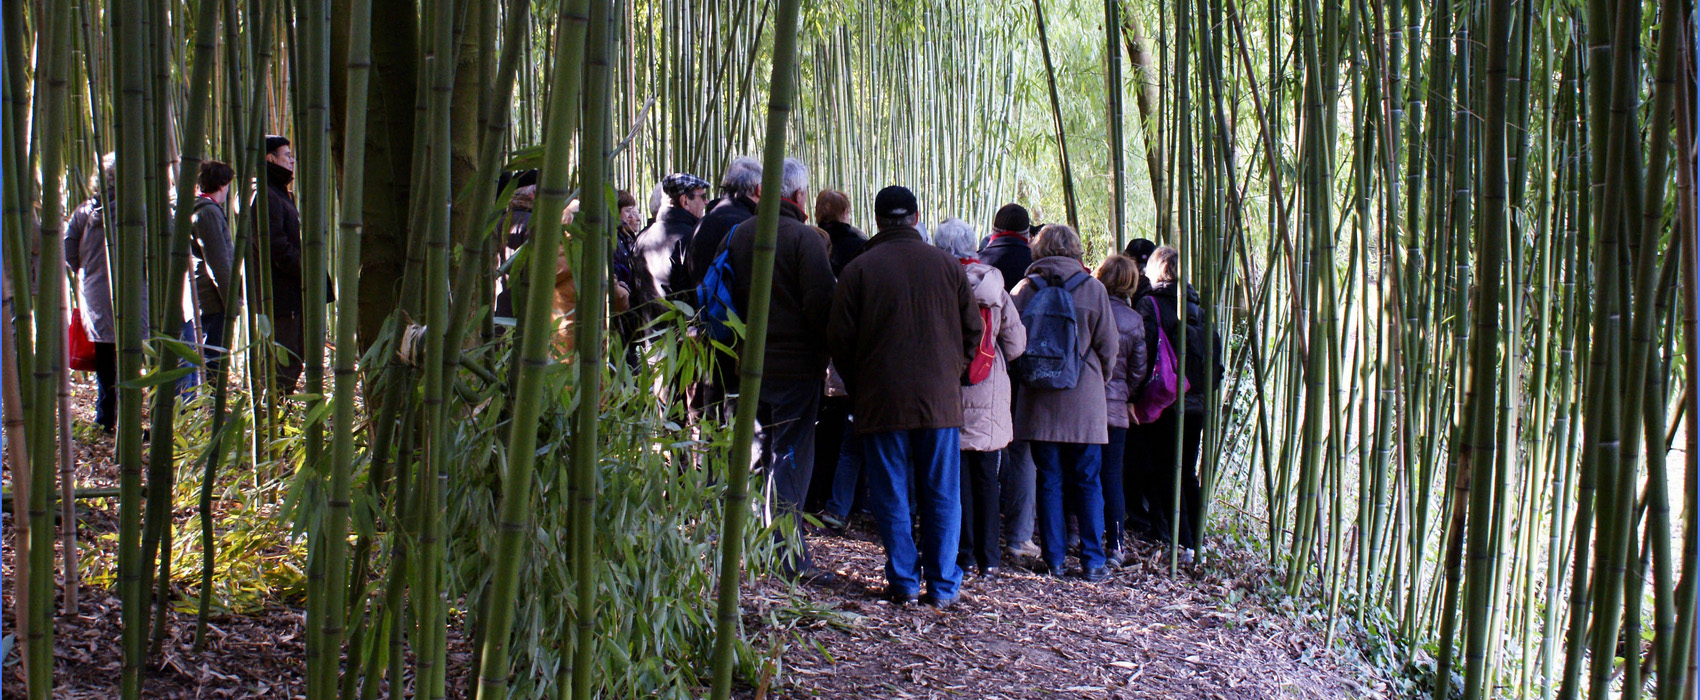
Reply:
x=714, y=296
x=1052, y=360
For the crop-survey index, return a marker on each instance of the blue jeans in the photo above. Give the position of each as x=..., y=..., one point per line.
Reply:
x=1115, y=503
x=1072, y=467
x=846, y=476
x=931, y=459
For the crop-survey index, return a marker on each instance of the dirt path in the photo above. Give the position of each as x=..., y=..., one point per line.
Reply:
x=1140, y=635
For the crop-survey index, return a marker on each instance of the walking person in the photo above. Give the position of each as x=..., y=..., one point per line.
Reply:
x=1121, y=278
x=1158, y=439
x=85, y=255
x=904, y=326
x=1010, y=252
x=1062, y=419
x=796, y=356
x=213, y=252
x=986, y=425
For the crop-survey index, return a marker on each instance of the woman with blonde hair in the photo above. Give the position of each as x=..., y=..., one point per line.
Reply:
x=1066, y=427
x=1157, y=439
x=1122, y=385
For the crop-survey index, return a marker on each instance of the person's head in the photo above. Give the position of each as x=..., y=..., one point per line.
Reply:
x=794, y=182
x=215, y=178
x=895, y=207
x=1164, y=266
x=956, y=237
x=108, y=170
x=687, y=192
x=279, y=154
x=1140, y=250
x=629, y=216
x=1012, y=218
x=742, y=178
x=1120, y=275
x=832, y=206
x=1057, y=239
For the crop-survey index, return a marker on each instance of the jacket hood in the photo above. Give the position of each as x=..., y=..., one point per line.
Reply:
x=1056, y=268
x=986, y=282
x=279, y=176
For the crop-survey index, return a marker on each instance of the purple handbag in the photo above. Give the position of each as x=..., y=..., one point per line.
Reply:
x=1164, y=385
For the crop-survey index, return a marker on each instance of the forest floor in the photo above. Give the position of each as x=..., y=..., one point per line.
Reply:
x=1140, y=634
x=1214, y=632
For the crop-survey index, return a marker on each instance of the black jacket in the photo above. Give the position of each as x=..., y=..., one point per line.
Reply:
x=1162, y=297
x=723, y=215
x=802, y=294
x=1011, y=255
x=847, y=243
x=284, y=234
x=658, y=255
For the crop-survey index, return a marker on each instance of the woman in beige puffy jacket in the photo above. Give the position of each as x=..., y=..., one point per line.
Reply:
x=986, y=425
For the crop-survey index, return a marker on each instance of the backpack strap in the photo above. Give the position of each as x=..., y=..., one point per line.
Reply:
x=1037, y=280
x=1075, y=280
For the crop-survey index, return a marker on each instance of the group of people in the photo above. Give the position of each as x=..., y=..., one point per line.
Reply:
x=997, y=390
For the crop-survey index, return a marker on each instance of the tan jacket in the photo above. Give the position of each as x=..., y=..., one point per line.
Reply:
x=566, y=301
x=986, y=424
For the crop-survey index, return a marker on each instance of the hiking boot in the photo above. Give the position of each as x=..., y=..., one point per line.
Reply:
x=1095, y=575
x=1025, y=549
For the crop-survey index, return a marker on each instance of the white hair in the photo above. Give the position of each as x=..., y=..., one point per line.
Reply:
x=743, y=177
x=956, y=237
x=795, y=178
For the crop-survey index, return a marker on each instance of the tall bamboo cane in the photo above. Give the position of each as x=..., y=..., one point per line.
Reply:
x=751, y=364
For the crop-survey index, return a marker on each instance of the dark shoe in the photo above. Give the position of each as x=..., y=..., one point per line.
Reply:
x=815, y=576
x=1095, y=575
x=1050, y=572
x=990, y=572
x=901, y=598
x=1114, y=558
x=833, y=523
x=941, y=603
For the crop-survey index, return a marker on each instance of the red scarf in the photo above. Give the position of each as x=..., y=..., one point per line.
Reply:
x=1008, y=234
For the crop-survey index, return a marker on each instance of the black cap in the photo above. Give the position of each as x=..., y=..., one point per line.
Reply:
x=894, y=201
x=1140, y=250
x=1012, y=217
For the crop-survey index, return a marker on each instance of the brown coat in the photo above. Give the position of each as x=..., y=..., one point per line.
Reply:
x=904, y=326
x=1071, y=415
x=801, y=293
x=566, y=301
x=986, y=424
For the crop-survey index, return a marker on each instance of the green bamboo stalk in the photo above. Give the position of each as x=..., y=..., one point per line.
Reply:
x=359, y=69
x=1065, y=167
x=753, y=360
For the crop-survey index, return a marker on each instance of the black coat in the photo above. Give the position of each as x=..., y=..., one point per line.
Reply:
x=658, y=255
x=723, y=215
x=847, y=243
x=1011, y=255
x=1162, y=297
x=802, y=294
x=284, y=235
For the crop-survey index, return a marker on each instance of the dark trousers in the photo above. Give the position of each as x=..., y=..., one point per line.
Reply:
x=931, y=460
x=212, y=334
x=288, y=331
x=1158, y=466
x=1015, y=477
x=980, y=521
x=832, y=428
x=1110, y=475
x=1072, y=468
x=786, y=432
x=106, y=385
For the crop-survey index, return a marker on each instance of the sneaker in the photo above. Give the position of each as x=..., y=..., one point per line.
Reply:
x=940, y=603
x=1114, y=558
x=1024, y=549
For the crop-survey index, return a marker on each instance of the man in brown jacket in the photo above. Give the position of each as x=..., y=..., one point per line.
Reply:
x=794, y=371
x=904, y=326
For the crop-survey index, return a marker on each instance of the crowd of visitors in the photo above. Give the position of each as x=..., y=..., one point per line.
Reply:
x=986, y=400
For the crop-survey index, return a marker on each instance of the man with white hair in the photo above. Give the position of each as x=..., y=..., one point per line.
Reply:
x=904, y=326
x=795, y=365
x=740, y=192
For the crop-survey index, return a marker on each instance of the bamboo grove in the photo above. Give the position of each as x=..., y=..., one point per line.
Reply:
x=1450, y=245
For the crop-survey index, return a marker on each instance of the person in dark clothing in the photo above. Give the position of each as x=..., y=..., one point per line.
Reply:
x=213, y=251
x=832, y=214
x=1140, y=250
x=284, y=234
x=740, y=192
x=1156, y=468
x=796, y=357
x=658, y=254
x=904, y=326
x=1009, y=250
x=627, y=324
